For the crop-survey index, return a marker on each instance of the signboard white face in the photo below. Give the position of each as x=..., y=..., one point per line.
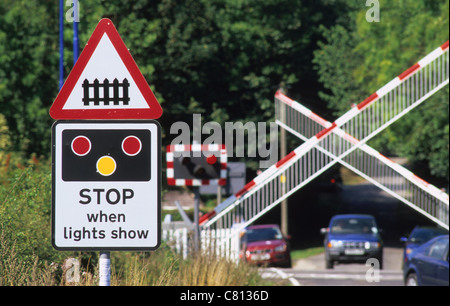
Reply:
x=106, y=185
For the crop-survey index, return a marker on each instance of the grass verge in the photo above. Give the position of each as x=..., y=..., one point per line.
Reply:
x=305, y=253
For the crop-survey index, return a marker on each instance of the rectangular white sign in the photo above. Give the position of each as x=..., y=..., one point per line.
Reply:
x=106, y=185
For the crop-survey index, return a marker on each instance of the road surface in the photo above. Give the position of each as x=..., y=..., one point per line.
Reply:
x=394, y=218
x=311, y=271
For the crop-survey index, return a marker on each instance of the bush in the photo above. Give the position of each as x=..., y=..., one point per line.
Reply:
x=25, y=211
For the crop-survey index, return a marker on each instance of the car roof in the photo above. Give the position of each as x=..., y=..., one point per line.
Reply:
x=441, y=237
x=263, y=226
x=431, y=241
x=431, y=228
x=356, y=216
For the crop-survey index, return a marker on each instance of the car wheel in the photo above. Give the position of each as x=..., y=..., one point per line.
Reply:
x=411, y=280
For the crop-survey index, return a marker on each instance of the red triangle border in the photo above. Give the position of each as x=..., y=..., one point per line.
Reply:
x=153, y=112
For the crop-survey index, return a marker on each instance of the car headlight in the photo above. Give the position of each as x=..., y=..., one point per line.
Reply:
x=372, y=245
x=335, y=244
x=280, y=248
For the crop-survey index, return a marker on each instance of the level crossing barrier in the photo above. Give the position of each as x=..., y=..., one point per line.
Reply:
x=383, y=172
x=309, y=160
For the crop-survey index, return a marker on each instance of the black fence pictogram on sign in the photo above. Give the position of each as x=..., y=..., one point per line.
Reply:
x=118, y=95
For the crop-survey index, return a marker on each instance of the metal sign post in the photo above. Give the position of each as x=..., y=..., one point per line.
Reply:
x=104, y=269
x=196, y=219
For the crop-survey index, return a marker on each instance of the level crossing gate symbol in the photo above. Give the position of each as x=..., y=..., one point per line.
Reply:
x=118, y=89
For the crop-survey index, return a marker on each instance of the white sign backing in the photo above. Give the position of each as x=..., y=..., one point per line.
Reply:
x=106, y=185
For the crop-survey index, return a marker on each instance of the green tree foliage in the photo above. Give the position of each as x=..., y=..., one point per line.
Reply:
x=357, y=57
x=27, y=70
x=225, y=58
x=25, y=211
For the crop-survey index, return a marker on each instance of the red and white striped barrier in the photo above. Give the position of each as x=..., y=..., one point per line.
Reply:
x=392, y=84
x=311, y=143
x=431, y=189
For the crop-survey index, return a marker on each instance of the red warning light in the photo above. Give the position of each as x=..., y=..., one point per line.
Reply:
x=81, y=145
x=211, y=159
x=131, y=145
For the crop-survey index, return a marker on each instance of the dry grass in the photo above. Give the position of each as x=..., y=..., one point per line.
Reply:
x=163, y=268
x=15, y=271
x=207, y=270
x=350, y=178
x=159, y=268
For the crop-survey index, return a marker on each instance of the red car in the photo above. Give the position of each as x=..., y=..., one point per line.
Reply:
x=266, y=245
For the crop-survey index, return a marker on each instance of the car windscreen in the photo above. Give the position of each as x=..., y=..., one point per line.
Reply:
x=353, y=226
x=439, y=249
x=425, y=234
x=261, y=234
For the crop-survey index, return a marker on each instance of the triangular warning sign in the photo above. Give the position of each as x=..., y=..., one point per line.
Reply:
x=105, y=83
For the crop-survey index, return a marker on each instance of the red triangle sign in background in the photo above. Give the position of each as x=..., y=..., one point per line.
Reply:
x=105, y=83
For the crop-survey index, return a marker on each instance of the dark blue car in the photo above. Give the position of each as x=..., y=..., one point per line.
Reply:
x=419, y=235
x=427, y=265
x=352, y=239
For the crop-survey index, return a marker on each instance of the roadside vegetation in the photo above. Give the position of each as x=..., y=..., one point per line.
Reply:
x=305, y=253
x=27, y=257
x=350, y=178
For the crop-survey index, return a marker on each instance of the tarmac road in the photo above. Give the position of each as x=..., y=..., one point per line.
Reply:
x=311, y=271
x=394, y=218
